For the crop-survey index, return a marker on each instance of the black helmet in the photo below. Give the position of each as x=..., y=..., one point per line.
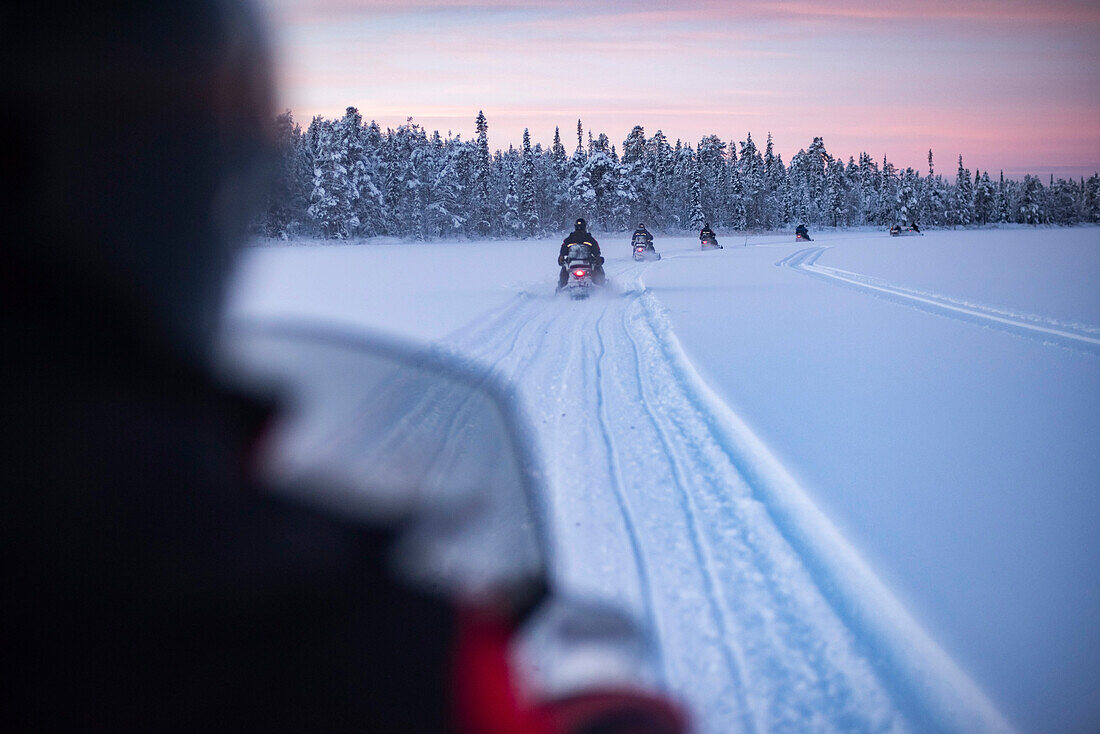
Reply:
x=145, y=201
x=706, y=225
x=581, y=225
x=641, y=225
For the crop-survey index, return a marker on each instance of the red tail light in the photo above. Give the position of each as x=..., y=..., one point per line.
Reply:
x=580, y=273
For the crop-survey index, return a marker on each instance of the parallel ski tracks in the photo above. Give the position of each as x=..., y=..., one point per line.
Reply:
x=488, y=352
x=1045, y=330
x=723, y=617
x=645, y=580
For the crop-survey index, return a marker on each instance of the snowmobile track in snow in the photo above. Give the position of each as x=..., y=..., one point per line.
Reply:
x=662, y=499
x=731, y=651
x=1046, y=330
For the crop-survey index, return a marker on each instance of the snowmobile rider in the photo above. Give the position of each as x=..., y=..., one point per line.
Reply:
x=642, y=232
x=801, y=232
x=913, y=226
x=581, y=236
x=707, y=233
x=153, y=582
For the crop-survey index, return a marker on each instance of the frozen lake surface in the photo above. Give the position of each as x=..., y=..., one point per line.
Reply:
x=851, y=483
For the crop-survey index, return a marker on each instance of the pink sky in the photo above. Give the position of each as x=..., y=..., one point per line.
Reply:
x=1010, y=84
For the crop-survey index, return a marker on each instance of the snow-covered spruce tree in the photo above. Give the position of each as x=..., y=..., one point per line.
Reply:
x=637, y=178
x=788, y=197
x=528, y=203
x=984, y=199
x=444, y=215
x=754, y=188
x=663, y=165
x=372, y=219
x=683, y=179
x=817, y=161
x=773, y=171
x=715, y=179
x=888, y=192
x=870, y=181
x=961, y=203
x=625, y=196
x=934, y=201
x=799, y=189
x=1031, y=201
x=480, y=221
x=401, y=182
x=906, y=203
x=558, y=177
x=513, y=223
x=430, y=159
x=695, y=217
x=735, y=212
x=835, y=189
x=313, y=138
x=332, y=199
x=596, y=185
x=505, y=167
x=1062, y=202
x=1003, y=210
x=853, y=202
x=463, y=153
x=580, y=197
x=362, y=169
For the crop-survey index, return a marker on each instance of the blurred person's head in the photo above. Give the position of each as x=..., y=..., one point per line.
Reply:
x=138, y=143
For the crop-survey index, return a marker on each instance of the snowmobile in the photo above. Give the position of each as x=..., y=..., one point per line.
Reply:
x=643, y=249
x=469, y=522
x=581, y=264
x=709, y=243
x=912, y=231
x=801, y=235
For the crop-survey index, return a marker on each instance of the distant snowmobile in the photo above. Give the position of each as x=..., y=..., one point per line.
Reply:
x=643, y=248
x=581, y=264
x=709, y=242
x=911, y=231
x=801, y=234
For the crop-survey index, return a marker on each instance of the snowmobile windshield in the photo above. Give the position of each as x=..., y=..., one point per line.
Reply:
x=398, y=436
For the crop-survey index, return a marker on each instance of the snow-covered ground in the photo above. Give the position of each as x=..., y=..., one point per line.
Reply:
x=851, y=483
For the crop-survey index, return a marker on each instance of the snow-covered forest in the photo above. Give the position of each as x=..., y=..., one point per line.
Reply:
x=343, y=178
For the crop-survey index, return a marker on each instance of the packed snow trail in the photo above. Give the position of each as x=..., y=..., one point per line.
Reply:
x=1051, y=331
x=659, y=496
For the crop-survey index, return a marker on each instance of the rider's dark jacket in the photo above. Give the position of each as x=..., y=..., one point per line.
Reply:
x=644, y=233
x=578, y=237
x=707, y=232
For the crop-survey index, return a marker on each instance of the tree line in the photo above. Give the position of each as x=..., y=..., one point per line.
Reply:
x=343, y=178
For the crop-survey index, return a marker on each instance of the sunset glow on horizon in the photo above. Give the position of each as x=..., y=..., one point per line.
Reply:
x=1010, y=85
